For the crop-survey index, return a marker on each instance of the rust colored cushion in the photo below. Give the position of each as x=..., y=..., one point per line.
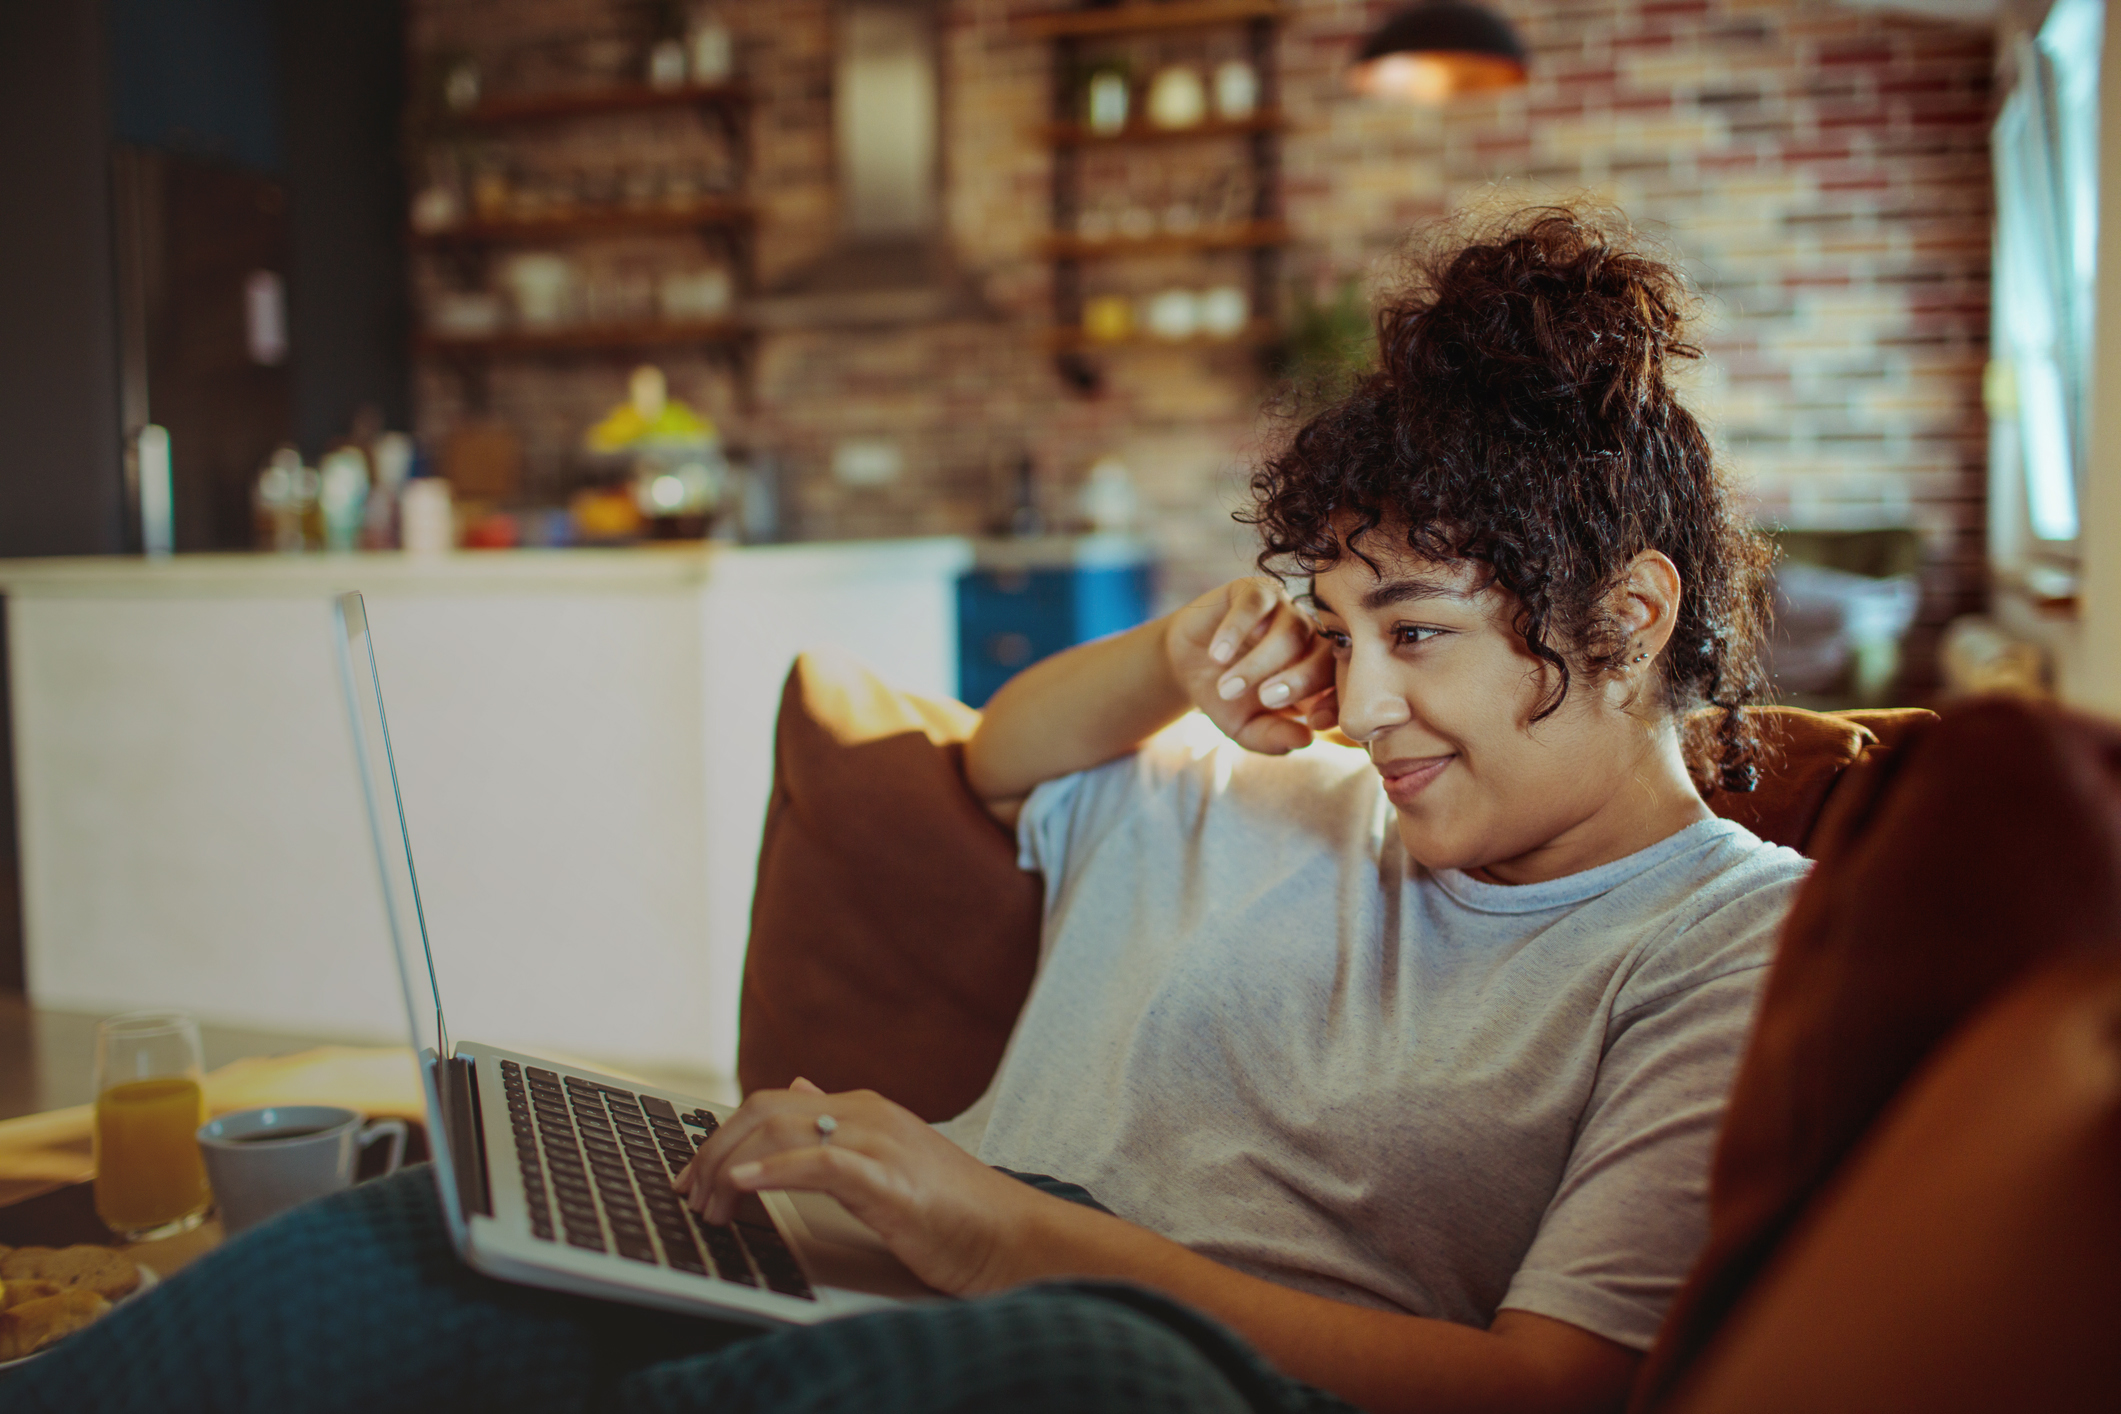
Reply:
x=1806, y=754
x=1986, y=845
x=893, y=938
x=1968, y=1257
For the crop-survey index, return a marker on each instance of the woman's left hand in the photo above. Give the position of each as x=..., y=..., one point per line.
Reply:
x=947, y=1216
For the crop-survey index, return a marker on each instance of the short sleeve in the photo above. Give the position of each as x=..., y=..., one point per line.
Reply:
x=1062, y=818
x=1631, y=1212
x=1042, y=827
x=1632, y=1209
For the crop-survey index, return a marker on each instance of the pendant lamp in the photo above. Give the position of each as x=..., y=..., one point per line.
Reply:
x=1437, y=50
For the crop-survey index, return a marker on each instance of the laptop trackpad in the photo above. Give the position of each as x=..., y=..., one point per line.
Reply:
x=844, y=1251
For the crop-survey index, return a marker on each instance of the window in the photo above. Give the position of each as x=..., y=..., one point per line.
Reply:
x=2046, y=148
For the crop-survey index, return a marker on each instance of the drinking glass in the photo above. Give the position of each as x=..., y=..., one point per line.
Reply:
x=150, y=1102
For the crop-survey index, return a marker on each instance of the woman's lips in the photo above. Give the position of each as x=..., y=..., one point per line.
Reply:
x=1409, y=776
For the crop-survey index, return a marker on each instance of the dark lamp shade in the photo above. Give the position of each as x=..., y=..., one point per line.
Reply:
x=1436, y=51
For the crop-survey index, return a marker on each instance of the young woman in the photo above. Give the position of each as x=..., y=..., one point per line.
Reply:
x=1402, y=1063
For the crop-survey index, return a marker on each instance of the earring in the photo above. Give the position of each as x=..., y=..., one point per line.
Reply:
x=1640, y=658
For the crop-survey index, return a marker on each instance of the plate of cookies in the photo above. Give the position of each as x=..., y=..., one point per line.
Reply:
x=48, y=1293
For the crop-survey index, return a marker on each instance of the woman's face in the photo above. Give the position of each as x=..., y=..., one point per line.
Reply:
x=1433, y=679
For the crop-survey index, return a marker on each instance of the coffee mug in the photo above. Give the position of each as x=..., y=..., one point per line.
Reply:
x=263, y=1162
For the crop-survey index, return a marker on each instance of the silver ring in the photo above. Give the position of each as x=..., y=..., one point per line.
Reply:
x=827, y=1126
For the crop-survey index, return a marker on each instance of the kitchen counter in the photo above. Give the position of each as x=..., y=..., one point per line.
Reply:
x=584, y=739
x=474, y=571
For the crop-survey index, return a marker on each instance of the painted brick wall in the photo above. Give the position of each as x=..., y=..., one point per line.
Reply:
x=1821, y=171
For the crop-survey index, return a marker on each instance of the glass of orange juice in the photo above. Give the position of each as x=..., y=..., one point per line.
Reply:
x=150, y=1102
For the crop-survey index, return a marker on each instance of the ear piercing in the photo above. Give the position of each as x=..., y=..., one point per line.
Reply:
x=1639, y=658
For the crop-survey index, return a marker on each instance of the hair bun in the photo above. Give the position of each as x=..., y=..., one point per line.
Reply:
x=1550, y=307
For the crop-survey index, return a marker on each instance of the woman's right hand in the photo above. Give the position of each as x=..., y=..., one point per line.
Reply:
x=1249, y=659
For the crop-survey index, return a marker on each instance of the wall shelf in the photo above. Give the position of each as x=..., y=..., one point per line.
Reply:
x=572, y=225
x=592, y=338
x=1138, y=18
x=1076, y=135
x=633, y=98
x=1255, y=333
x=1252, y=235
x=1069, y=33
x=467, y=252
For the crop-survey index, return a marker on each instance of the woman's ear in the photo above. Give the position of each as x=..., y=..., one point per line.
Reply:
x=1646, y=606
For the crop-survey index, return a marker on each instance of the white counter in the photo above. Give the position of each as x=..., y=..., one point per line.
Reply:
x=585, y=744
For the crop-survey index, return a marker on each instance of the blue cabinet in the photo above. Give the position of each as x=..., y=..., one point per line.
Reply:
x=1028, y=599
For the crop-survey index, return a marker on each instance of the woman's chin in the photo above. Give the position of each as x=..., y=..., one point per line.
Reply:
x=1435, y=849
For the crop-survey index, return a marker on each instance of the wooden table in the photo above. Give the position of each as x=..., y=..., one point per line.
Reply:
x=44, y=1152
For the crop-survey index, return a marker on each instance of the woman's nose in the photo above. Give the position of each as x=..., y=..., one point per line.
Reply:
x=1370, y=701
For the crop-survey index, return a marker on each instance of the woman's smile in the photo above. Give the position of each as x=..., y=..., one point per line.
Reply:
x=1408, y=776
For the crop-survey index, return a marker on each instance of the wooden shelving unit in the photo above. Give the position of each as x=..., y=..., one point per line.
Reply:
x=728, y=222
x=583, y=223
x=509, y=109
x=1255, y=333
x=589, y=338
x=1261, y=236
x=1253, y=235
x=1140, y=18
x=1076, y=135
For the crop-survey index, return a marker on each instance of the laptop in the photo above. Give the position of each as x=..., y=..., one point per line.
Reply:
x=555, y=1176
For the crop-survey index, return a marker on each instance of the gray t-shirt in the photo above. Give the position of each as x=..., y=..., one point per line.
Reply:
x=1261, y=1030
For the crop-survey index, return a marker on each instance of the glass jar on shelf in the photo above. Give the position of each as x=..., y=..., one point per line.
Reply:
x=1106, y=100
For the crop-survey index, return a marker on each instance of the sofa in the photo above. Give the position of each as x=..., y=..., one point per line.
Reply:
x=1916, y=1197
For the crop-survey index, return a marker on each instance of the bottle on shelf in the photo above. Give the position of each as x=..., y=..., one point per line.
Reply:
x=1106, y=102
x=666, y=65
x=392, y=456
x=284, y=504
x=427, y=517
x=1177, y=98
x=342, y=496
x=1236, y=90
x=710, y=50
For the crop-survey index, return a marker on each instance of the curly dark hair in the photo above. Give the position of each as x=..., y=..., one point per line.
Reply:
x=1520, y=416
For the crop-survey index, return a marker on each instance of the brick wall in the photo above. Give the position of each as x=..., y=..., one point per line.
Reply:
x=1822, y=171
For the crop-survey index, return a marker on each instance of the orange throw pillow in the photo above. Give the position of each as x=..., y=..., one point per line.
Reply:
x=893, y=938
x=1986, y=846
x=1967, y=1258
x=1806, y=752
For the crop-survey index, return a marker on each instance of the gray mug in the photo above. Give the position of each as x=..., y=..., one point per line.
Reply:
x=263, y=1162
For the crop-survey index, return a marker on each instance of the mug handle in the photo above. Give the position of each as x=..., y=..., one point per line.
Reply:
x=392, y=1129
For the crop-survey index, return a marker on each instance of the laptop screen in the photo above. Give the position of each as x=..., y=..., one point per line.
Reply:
x=386, y=820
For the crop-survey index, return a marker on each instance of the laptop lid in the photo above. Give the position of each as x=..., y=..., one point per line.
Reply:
x=448, y=1132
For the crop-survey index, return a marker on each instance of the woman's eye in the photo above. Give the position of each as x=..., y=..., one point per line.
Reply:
x=1337, y=640
x=1408, y=635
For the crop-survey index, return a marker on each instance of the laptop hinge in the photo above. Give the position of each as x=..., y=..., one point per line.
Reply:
x=459, y=1092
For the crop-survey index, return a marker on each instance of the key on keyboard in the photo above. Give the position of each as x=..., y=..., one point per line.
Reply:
x=599, y=1159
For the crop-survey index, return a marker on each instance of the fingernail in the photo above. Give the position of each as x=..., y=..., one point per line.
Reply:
x=1223, y=650
x=1274, y=694
x=744, y=1173
x=1230, y=687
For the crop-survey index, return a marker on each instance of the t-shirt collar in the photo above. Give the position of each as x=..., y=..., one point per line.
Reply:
x=1574, y=888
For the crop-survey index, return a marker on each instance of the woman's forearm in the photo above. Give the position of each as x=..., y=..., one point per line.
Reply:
x=1072, y=711
x=1379, y=1360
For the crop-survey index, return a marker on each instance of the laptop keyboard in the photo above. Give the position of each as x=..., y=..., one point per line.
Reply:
x=597, y=1163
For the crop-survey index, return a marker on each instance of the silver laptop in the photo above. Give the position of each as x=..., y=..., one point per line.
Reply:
x=556, y=1176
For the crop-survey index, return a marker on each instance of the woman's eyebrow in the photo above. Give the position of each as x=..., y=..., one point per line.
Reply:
x=1388, y=593
x=1403, y=591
